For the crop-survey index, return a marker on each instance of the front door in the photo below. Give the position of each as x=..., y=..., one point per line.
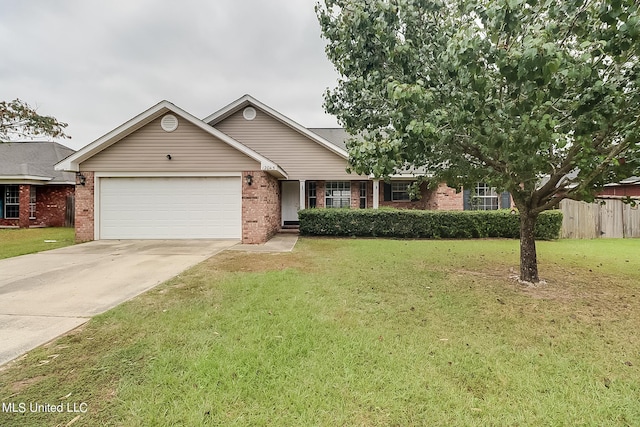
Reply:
x=290, y=202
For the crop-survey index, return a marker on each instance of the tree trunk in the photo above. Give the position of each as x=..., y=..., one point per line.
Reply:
x=528, y=257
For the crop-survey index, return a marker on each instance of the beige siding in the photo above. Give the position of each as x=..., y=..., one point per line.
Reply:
x=191, y=150
x=299, y=156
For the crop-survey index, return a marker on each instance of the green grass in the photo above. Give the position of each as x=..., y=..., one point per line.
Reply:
x=14, y=242
x=358, y=333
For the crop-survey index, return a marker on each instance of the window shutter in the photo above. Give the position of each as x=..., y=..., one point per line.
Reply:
x=387, y=192
x=505, y=202
x=466, y=196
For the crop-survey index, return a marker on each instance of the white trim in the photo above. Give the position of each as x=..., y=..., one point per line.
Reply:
x=96, y=207
x=24, y=178
x=72, y=163
x=247, y=100
x=302, y=194
x=376, y=193
x=164, y=174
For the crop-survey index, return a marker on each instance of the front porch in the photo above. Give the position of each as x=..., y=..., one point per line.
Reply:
x=360, y=194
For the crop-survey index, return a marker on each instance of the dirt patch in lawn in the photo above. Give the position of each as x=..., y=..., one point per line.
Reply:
x=18, y=386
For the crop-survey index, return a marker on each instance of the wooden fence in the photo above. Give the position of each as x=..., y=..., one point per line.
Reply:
x=69, y=213
x=608, y=217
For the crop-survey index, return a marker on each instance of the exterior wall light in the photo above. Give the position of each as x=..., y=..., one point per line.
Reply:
x=248, y=179
x=168, y=156
x=82, y=179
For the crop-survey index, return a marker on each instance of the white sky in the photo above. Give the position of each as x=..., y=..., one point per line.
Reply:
x=95, y=64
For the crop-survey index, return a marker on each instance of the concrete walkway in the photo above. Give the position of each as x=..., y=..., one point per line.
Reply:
x=46, y=294
x=281, y=242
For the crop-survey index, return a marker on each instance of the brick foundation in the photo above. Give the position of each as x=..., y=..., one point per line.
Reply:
x=261, y=213
x=85, y=209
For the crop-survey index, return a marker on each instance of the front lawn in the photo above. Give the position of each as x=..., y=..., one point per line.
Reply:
x=357, y=333
x=21, y=241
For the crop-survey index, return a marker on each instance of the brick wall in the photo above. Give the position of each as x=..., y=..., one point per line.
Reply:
x=84, y=208
x=51, y=203
x=423, y=203
x=621, y=190
x=261, y=214
x=445, y=198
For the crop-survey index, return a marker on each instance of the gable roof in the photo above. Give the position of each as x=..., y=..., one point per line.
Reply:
x=34, y=161
x=248, y=100
x=336, y=136
x=72, y=163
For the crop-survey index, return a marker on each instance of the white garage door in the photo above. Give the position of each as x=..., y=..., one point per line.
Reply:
x=170, y=208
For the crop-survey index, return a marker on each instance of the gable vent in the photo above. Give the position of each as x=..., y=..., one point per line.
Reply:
x=249, y=113
x=169, y=123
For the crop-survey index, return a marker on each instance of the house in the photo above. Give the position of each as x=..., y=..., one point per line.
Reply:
x=32, y=193
x=629, y=187
x=241, y=173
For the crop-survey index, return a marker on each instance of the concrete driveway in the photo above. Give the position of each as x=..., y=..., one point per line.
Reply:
x=46, y=294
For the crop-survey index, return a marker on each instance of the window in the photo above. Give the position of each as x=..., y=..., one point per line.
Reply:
x=338, y=194
x=484, y=198
x=311, y=194
x=11, y=201
x=32, y=202
x=363, y=195
x=400, y=191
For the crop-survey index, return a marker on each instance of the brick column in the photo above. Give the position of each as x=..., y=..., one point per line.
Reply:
x=320, y=192
x=25, y=199
x=260, y=207
x=355, y=194
x=85, y=217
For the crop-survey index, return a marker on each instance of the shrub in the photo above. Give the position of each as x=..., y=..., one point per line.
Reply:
x=423, y=224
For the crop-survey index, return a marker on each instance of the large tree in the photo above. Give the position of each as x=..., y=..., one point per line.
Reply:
x=18, y=120
x=540, y=98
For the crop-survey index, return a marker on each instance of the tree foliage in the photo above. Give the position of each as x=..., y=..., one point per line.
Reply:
x=540, y=98
x=18, y=120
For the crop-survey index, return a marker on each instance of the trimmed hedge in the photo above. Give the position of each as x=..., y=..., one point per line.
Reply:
x=423, y=224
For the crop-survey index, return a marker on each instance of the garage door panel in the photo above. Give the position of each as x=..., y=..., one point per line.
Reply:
x=170, y=208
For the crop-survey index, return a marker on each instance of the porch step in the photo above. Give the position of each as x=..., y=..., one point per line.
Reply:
x=290, y=229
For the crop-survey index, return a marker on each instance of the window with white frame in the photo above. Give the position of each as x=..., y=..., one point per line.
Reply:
x=363, y=195
x=32, y=202
x=11, y=201
x=484, y=198
x=400, y=191
x=337, y=194
x=311, y=194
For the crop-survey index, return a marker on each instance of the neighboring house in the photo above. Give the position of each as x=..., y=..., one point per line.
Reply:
x=32, y=193
x=241, y=173
x=629, y=187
